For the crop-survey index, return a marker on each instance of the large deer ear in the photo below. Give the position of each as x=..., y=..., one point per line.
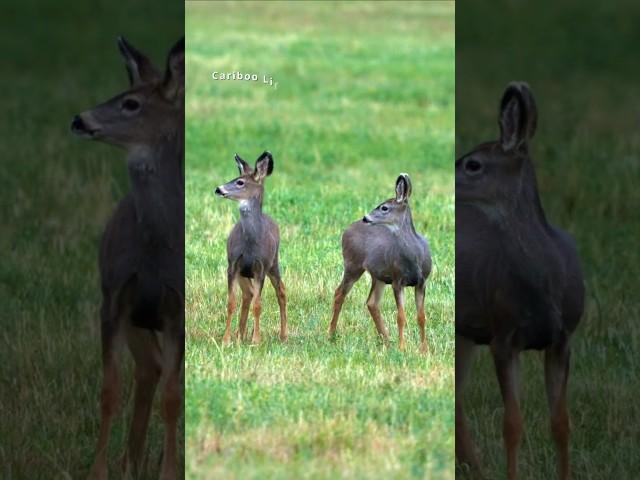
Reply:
x=403, y=188
x=139, y=67
x=173, y=83
x=264, y=166
x=243, y=166
x=518, y=117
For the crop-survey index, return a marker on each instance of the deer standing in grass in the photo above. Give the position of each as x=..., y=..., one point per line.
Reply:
x=142, y=253
x=252, y=249
x=518, y=279
x=386, y=244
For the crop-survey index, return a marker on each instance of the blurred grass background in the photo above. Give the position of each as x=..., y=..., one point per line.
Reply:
x=57, y=193
x=579, y=58
x=365, y=91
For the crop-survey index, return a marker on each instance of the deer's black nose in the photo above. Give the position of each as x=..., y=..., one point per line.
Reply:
x=365, y=219
x=219, y=192
x=77, y=125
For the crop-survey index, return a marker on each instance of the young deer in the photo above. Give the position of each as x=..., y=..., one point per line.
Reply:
x=142, y=252
x=385, y=244
x=252, y=248
x=518, y=279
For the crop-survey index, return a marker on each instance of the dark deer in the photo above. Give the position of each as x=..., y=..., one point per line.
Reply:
x=142, y=253
x=252, y=249
x=386, y=244
x=518, y=279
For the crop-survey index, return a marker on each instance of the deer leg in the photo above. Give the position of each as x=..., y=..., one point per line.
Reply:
x=110, y=394
x=278, y=286
x=257, y=309
x=556, y=370
x=145, y=349
x=231, y=308
x=348, y=280
x=506, y=364
x=172, y=356
x=465, y=449
x=422, y=319
x=247, y=294
x=398, y=294
x=373, y=304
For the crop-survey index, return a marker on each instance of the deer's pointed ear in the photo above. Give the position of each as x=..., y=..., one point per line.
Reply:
x=139, y=67
x=243, y=166
x=173, y=83
x=403, y=188
x=518, y=116
x=264, y=166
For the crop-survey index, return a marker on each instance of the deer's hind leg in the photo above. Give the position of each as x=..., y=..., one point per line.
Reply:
x=111, y=339
x=422, y=319
x=556, y=370
x=350, y=277
x=373, y=304
x=231, y=305
x=145, y=349
x=278, y=286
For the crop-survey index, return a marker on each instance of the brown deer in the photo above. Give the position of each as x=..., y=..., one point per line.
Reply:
x=518, y=279
x=386, y=244
x=252, y=248
x=142, y=253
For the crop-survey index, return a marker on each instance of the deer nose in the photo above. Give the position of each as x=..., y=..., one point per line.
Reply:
x=219, y=192
x=77, y=125
x=366, y=219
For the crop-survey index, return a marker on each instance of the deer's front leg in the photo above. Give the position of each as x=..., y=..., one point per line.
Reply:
x=465, y=449
x=231, y=308
x=556, y=370
x=398, y=293
x=257, y=309
x=247, y=296
x=110, y=393
x=172, y=355
x=278, y=286
x=507, y=370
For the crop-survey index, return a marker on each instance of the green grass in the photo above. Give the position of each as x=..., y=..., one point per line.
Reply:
x=365, y=91
x=57, y=192
x=584, y=76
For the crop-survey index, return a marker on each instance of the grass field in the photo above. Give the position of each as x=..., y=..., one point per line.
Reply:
x=365, y=91
x=57, y=192
x=584, y=76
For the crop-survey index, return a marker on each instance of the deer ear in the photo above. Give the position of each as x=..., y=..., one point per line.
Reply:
x=173, y=82
x=403, y=188
x=243, y=166
x=518, y=116
x=264, y=166
x=139, y=67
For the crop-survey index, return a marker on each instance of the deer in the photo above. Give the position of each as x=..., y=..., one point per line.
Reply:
x=385, y=244
x=252, y=249
x=519, y=284
x=141, y=258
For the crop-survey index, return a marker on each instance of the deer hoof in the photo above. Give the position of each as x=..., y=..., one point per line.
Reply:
x=283, y=337
x=424, y=348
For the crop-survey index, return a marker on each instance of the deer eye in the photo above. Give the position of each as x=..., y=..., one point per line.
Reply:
x=240, y=183
x=130, y=105
x=384, y=208
x=472, y=167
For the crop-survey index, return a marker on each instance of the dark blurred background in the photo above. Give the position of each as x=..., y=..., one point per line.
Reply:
x=580, y=59
x=57, y=191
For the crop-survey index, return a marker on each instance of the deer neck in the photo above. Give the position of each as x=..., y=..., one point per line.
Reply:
x=251, y=218
x=157, y=185
x=404, y=231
